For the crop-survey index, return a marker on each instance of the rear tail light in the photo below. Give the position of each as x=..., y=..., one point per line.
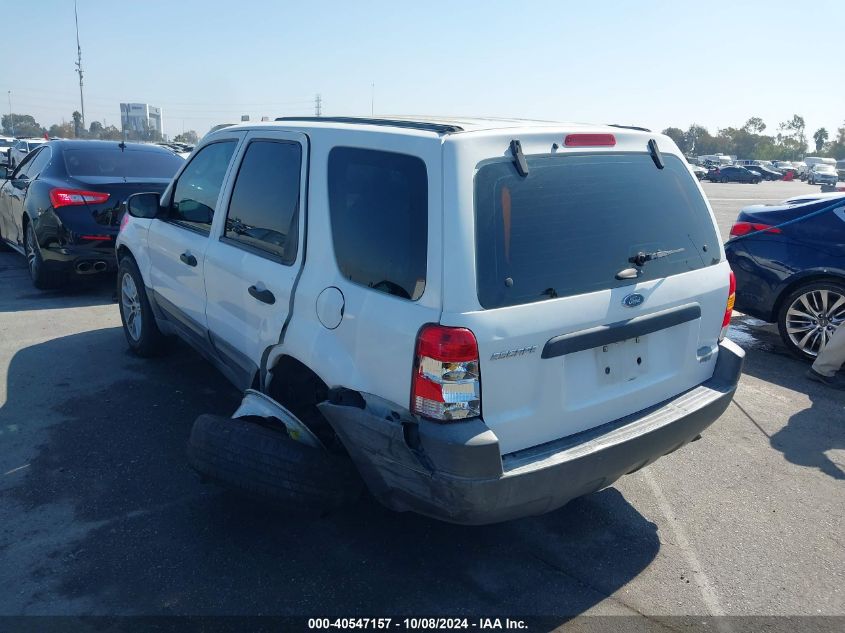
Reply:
x=726, y=321
x=446, y=385
x=744, y=228
x=75, y=197
x=589, y=140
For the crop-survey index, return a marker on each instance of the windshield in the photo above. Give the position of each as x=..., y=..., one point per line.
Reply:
x=114, y=162
x=825, y=168
x=573, y=223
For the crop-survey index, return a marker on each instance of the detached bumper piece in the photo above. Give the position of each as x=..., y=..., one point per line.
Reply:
x=455, y=472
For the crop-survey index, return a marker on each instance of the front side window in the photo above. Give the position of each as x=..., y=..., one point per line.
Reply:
x=196, y=192
x=264, y=209
x=379, y=214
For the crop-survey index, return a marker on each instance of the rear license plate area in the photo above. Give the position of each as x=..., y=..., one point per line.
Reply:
x=621, y=362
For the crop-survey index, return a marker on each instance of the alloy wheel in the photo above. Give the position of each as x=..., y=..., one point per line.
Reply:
x=30, y=247
x=131, y=303
x=813, y=318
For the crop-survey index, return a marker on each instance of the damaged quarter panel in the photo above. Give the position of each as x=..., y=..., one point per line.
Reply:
x=411, y=464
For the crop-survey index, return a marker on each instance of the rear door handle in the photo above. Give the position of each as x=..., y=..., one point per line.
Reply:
x=265, y=296
x=188, y=259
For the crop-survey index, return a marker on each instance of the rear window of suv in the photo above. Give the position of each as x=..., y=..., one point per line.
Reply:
x=573, y=223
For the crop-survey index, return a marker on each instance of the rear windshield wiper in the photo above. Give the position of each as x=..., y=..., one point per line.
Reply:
x=641, y=258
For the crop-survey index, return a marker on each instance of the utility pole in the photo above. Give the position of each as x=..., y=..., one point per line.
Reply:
x=372, y=99
x=11, y=116
x=318, y=105
x=79, y=64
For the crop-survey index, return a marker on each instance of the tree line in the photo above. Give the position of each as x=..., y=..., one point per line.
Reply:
x=749, y=141
x=25, y=126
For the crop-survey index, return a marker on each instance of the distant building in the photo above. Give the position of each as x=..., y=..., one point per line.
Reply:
x=141, y=118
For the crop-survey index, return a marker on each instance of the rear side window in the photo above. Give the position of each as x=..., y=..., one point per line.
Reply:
x=196, y=192
x=573, y=223
x=264, y=209
x=38, y=162
x=112, y=162
x=379, y=213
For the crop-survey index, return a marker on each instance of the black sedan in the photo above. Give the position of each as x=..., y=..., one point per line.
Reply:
x=765, y=172
x=733, y=173
x=792, y=274
x=62, y=206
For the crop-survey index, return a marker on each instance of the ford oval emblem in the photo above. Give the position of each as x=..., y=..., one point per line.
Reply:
x=633, y=300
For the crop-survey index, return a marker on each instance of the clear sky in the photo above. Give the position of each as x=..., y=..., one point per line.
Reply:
x=649, y=62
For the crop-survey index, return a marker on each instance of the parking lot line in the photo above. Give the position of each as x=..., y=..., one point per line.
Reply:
x=708, y=595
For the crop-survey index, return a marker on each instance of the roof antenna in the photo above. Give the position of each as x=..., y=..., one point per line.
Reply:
x=519, y=158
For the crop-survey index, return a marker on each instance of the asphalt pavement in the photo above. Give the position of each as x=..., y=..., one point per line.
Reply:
x=100, y=514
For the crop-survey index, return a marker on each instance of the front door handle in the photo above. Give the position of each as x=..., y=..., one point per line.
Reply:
x=188, y=259
x=265, y=296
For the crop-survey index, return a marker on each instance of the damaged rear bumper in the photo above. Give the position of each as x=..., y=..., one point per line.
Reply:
x=455, y=472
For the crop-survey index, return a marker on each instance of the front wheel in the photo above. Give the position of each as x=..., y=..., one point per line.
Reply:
x=139, y=325
x=724, y=179
x=810, y=315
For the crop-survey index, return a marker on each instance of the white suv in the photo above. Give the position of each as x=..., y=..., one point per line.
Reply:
x=486, y=318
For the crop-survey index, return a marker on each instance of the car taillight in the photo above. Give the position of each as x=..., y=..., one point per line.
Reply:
x=744, y=228
x=75, y=197
x=589, y=140
x=726, y=321
x=447, y=384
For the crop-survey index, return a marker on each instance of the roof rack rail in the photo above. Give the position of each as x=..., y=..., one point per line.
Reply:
x=630, y=127
x=439, y=128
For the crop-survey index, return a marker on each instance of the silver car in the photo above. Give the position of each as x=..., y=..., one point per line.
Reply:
x=823, y=175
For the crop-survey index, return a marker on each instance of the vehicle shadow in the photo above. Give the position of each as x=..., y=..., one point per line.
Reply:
x=812, y=431
x=143, y=535
x=19, y=294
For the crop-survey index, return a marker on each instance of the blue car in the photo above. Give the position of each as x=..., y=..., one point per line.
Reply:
x=792, y=275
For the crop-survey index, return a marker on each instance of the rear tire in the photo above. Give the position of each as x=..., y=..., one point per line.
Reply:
x=262, y=461
x=139, y=324
x=799, y=318
x=42, y=278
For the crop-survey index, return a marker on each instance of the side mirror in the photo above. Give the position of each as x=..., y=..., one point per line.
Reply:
x=7, y=172
x=143, y=205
